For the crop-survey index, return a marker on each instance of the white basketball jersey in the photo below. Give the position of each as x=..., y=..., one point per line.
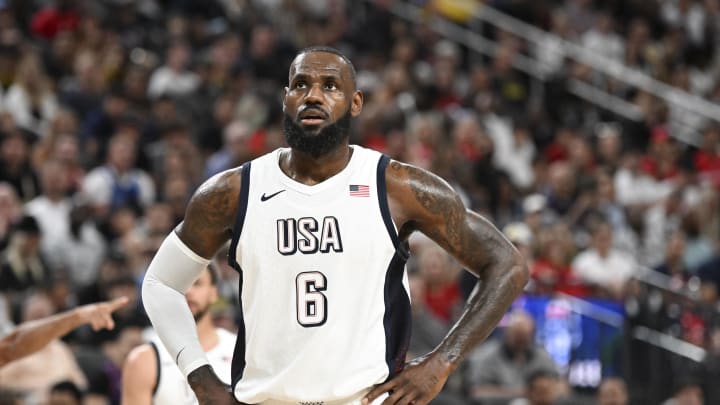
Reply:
x=325, y=303
x=172, y=387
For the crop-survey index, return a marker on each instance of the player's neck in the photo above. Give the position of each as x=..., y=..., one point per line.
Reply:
x=207, y=333
x=310, y=170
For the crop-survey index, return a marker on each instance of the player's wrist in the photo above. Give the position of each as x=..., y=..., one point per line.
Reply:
x=446, y=359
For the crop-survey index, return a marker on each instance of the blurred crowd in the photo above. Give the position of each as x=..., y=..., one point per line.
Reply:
x=112, y=112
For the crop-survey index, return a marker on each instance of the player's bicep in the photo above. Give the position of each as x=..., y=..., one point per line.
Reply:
x=210, y=214
x=139, y=376
x=432, y=207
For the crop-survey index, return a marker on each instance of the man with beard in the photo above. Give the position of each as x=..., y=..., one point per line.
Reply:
x=319, y=235
x=150, y=375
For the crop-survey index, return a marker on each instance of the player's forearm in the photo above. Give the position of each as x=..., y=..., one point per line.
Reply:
x=499, y=285
x=171, y=272
x=33, y=336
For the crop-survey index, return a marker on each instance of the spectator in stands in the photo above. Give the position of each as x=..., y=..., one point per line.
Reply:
x=235, y=150
x=118, y=183
x=22, y=266
x=10, y=211
x=602, y=39
x=612, y=391
x=15, y=167
x=52, y=207
x=551, y=271
x=688, y=392
x=31, y=99
x=659, y=222
x=439, y=273
x=602, y=266
x=499, y=368
x=561, y=188
x=174, y=78
x=542, y=388
x=674, y=265
x=698, y=246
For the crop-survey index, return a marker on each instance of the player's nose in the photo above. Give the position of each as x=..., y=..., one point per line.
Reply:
x=314, y=95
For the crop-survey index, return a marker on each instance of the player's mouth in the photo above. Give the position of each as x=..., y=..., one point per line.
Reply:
x=312, y=116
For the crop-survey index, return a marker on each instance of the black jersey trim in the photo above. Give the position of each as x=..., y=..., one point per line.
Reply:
x=158, y=367
x=240, y=216
x=238, y=361
x=397, y=319
x=401, y=248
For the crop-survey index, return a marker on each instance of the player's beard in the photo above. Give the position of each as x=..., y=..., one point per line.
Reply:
x=201, y=312
x=313, y=142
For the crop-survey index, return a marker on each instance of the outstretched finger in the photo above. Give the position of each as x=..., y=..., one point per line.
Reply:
x=377, y=391
x=117, y=303
x=109, y=323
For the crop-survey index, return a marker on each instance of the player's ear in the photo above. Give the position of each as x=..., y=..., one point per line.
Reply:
x=357, y=103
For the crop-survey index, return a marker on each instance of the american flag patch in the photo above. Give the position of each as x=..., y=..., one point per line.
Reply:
x=359, y=190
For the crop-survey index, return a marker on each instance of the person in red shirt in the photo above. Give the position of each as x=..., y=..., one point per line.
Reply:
x=442, y=292
x=48, y=21
x=706, y=160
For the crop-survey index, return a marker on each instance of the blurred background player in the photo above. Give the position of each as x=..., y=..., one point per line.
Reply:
x=150, y=375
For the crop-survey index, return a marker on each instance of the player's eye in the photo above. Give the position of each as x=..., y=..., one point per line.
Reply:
x=300, y=85
x=330, y=86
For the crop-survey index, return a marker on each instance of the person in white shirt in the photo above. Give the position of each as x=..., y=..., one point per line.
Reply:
x=80, y=254
x=173, y=78
x=118, y=183
x=602, y=265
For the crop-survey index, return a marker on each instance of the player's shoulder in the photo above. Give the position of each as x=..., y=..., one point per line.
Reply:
x=141, y=356
x=141, y=365
x=215, y=200
x=406, y=180
x=227, y=181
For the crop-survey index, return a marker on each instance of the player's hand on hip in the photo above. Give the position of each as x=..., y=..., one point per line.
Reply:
x=208, y=388
x=99, y=315
x=421, y=380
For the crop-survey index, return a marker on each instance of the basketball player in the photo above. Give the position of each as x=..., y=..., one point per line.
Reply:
x=319, y=235
x=150, y=375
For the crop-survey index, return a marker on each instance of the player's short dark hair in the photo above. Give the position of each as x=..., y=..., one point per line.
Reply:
x=334, y=51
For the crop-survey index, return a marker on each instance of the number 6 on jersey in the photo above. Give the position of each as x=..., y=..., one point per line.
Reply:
x=311, y=302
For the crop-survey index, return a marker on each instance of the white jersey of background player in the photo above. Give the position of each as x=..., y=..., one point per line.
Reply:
x=150, y=375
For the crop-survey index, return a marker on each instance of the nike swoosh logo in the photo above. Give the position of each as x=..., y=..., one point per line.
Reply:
x=267, y=197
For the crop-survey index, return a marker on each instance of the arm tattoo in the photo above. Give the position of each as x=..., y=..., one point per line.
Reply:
x=439, y=200
x=437, y=211
x=210, y=213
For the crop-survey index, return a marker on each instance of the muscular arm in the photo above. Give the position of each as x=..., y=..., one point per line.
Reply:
x=210, y=214
x=139, y=376
x=426, y=203
x=33, y=336
x=181, y=258
x=421, y=201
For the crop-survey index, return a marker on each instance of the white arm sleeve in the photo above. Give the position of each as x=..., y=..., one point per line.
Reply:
x=170, y=274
